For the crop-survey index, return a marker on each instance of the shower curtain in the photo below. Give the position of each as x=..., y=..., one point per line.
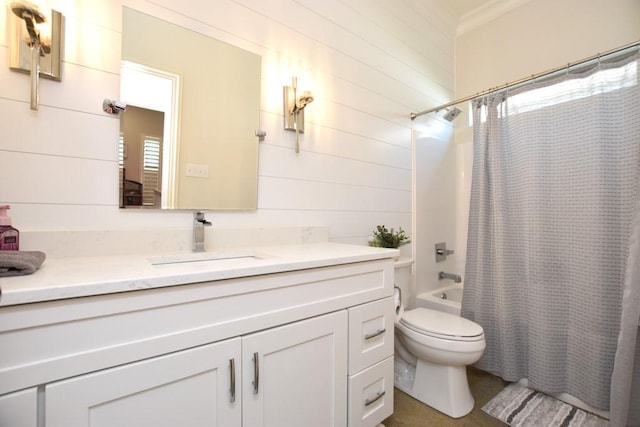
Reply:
x=555, y=182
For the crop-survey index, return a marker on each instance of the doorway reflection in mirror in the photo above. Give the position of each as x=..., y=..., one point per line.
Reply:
x=149, y=91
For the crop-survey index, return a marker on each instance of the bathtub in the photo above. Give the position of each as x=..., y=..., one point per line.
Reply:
x=447, y=299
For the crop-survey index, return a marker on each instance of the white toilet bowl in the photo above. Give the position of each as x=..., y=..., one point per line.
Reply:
x=433, y=349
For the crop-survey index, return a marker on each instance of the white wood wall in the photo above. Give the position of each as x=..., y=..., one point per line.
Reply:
x=368, y=62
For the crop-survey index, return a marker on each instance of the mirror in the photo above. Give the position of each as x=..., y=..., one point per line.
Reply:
x=187, y=137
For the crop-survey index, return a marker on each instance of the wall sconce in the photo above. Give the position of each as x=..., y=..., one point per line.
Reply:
x=294, y=105
x=35, y=41
x=113, y=107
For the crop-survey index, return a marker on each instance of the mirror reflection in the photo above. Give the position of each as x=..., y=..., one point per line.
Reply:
x=141, y=157
x=187, y=137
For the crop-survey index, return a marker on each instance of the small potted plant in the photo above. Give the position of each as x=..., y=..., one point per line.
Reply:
x=384, y=238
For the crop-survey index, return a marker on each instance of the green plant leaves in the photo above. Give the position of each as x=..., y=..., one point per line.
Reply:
x=385, y=238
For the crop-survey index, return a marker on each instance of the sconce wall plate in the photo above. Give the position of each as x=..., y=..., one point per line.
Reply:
x=293, y=109
x=50, y=55
x=292, y=121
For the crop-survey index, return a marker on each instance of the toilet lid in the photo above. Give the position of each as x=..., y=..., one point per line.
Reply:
x=438, y=323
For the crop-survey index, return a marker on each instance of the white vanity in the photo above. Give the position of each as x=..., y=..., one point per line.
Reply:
x=297, y=335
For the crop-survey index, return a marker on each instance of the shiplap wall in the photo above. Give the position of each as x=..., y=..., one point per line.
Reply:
x=368, y=62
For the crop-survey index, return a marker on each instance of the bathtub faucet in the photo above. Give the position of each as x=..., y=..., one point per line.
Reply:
x=455, y=277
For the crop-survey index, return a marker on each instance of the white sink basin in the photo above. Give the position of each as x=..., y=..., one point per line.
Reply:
x=248, y=255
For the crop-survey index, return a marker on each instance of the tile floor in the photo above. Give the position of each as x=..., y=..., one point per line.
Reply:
x=409, y=412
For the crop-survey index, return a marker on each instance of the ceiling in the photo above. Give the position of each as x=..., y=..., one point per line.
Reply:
x=462, y=7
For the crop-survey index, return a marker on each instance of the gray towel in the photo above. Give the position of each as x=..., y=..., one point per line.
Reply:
x=18, y=263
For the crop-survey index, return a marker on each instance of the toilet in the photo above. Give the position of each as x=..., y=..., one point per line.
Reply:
x=432, y=351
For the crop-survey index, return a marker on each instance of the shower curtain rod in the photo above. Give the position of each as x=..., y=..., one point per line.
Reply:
x=570, y=65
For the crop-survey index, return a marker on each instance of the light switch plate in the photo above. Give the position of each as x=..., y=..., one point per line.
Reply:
x=197, y=171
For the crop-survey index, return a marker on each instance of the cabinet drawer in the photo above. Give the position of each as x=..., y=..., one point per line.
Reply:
x=370, y=333
x=371, y=395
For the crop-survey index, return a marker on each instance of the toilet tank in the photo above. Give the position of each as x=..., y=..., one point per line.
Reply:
x=404, y=280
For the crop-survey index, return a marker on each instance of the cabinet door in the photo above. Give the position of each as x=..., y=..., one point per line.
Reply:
x=296, y=375
x=19, y=409
x=187, y=388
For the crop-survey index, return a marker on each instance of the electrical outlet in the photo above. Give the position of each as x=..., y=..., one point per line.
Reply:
x=197, y=171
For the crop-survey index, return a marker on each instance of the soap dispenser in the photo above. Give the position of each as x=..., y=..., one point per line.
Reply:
x=9, y=236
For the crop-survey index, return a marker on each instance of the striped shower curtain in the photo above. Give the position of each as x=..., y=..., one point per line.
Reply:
x=555, y=183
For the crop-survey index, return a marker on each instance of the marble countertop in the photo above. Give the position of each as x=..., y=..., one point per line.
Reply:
x=79, y=277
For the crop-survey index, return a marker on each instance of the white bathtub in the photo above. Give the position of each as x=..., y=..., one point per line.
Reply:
x=447, y=299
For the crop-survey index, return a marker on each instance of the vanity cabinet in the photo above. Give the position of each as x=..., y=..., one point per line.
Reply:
x=219, y=384
x=286, y=349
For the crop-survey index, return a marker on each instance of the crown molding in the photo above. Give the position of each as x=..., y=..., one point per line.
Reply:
x=486, y=13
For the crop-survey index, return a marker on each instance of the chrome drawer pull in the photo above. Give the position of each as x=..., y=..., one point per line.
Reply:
x=256, y=373
x=232, y=387
x=375, y=334
x=375, y=399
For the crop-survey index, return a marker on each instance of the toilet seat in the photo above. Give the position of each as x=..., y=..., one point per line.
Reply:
x=442, y=325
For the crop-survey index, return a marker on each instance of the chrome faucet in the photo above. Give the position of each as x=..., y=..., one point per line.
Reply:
x=199, y=222
x=455, y=277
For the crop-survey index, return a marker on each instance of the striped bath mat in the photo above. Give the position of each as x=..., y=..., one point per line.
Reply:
x=519, y=406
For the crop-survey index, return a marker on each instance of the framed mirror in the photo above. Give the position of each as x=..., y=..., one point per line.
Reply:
x=187, y=137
